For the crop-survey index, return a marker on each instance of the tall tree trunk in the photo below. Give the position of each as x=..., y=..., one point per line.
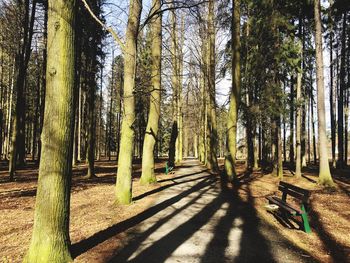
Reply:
x=203, y=113
x=332, y=93
x=50, y=241
x=279, y=149
x=18, y=129
x=346, y=131
x=9, y=113
x=151, y=134
x=232, y=120
x=124, y=182
x=284, y=129
x=43, y=79
x=2, y=124
x=298, y=127
x=313, y=128
x=179, y=78
x=100, y=128
x=173, y=143
x=291, y=123
x=212, y=162
x=342, y=87
x=325, y=177
x=91, y=125
x=36, y=116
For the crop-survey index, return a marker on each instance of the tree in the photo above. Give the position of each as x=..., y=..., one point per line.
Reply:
x=50, y=240
x=21, y=61
x=175, y=82
x=151, y=134
x=124, y=182
x=234, y=94
x=325, y=177
x=212, y=135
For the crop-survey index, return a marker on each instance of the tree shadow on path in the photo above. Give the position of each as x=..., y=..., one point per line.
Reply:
x=94, y=240
x=240, y=217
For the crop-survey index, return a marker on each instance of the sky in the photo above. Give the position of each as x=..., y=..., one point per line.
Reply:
x=116, y=15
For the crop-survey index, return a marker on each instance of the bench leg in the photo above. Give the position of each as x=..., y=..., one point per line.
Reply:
x=305, y=219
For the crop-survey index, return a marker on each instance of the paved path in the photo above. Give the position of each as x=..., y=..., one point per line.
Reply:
x=199, y=222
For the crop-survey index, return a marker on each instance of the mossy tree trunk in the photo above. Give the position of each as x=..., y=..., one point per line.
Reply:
x=325, y=177
x=235, y=94
x=212, y=135
x=124, y=174
x=151, y=134
x=50, y=241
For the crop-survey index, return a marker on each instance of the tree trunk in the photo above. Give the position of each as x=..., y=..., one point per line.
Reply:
x=298, y=127
x=313, y=128
x=18, y=134
x=92, y=125
x=43, y=79
x=325, y=177
x=212, y=136
x=151, y=134
x=332, y=97
x=232, y=120
x=291, y=123
x=179, y=58
x=50, y=241
x=342, y=87
x=36, y=117
x=100, y=128
x=9, y=113
x=279, y=149
x=173, y=143
x=124, y=174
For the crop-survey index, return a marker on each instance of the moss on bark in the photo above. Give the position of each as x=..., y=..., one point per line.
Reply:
x=50, y=240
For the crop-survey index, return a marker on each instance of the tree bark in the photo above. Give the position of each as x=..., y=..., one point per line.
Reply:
x=342, y=87
x=332, y=96
x=325, y=177
x=291, y=123
x=212, y=136
x=298, y=127
x=232, y=120
x=124, y=174
x=18, y=130
x=92, y=125
x=50, y=241
x=173, y=143
x=151, y=134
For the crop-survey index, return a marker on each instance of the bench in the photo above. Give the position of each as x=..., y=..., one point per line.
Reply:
x=300, y=194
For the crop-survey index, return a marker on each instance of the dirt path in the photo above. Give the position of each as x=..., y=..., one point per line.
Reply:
x=194, y=220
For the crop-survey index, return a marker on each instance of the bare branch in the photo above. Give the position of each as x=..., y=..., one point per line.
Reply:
x=109, y=29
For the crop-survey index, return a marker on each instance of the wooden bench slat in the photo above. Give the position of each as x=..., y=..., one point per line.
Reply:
x=295, y=188
x=293, y=193
x=283, y=205
x=297, y=210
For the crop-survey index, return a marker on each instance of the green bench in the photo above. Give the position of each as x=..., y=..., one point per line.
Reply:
x=301, y=195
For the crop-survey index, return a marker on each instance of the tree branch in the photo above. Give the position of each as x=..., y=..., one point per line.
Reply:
x=109, y=29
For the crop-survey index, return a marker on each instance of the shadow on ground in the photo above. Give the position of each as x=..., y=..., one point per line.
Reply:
x=254, y=244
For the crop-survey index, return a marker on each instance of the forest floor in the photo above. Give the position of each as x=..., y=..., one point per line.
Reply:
x=188, y=216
